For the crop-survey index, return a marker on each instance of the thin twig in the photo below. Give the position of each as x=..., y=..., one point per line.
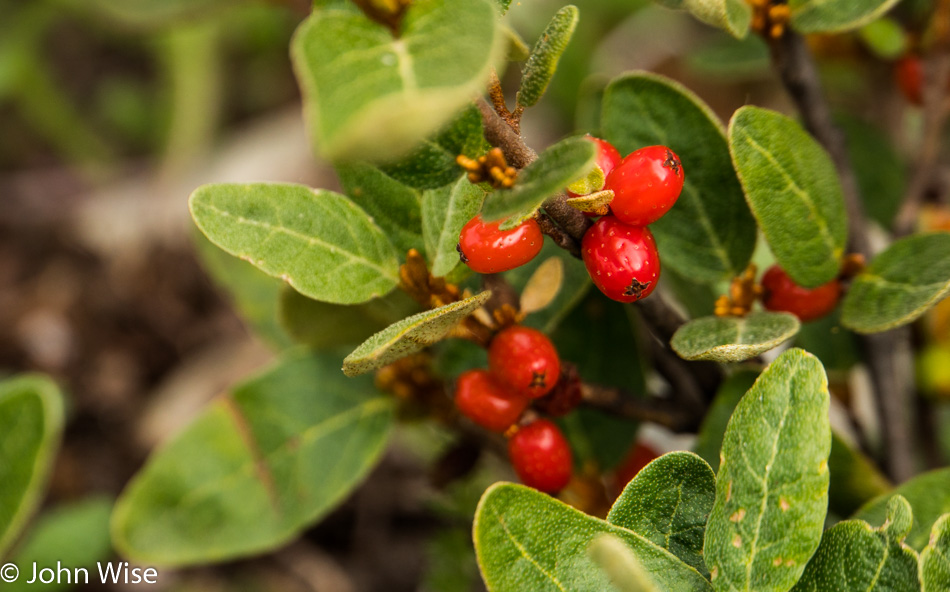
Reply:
x=557, y=234
x=665, y=412
x=936, y=110
x=885, y=353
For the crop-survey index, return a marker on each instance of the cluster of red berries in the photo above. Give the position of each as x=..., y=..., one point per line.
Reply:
x=523, y=365
x=619, y=250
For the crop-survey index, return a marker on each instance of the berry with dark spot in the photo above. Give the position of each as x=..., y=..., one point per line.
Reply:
x=487, y=402
x=622, y=260
x=782, y=294
x=646, y=184
x=485, y=248
x=541, y=456
x=525, y=360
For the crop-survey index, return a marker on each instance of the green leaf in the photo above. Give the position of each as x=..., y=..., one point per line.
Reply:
x=709, y=235
x=855, y=479
x=772, y=489
x=394, y=207
x=31, y=421
x=621, y=565
x=154, y=13
x=733, y=339
x=76, y=536
x=794, y=192
x=835, y=16
x=542, y=63
x=444, y=212
x=318, y=241
x=556, y=168
x=935, y=558
x=713, y=429
x=432, y=164
x=928, y=494
x=502, y=6
x=885, y=37
x=526, y=540
x=732, y=16
x=878, y=167
x=853, y=556
x=410, y=335
x=261, y=464
x=254, y=294
x=836, y=347
x=668, y=502
x=323, y=326
x=900, y=284
x=371, y=96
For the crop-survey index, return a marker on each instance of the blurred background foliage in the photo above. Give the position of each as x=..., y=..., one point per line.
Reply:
x=111, y=111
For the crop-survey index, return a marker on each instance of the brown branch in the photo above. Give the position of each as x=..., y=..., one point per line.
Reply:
x=936, y=110
x=885, y=353
x=558, y=235
x=665, y=412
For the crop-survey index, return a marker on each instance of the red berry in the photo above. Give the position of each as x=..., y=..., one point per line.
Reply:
x=622, y=260
x=526, y=360
x=486, y=402
x=607, y=158
x=784, y=295
x=487, y=249
x=646, y=184
x=541, y=456
x=910, y=78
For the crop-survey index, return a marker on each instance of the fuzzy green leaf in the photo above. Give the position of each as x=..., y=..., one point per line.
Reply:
x=394, y=207
x=733, y=339
x=410, y=335
x=836, y=16
x=732, y=16
x=371, y=96
x=542, y=63
x=75, y=535
x=668, y=502
x=432, y=164
x=928, y=494
x=322, y=326
x=31, y=424
x=900, y=284
x=853, y=556
x=935, y=558
x=794, y=192
x=713, y=429
x=261, y=464
x=444, y=212
x=556, y=168
x=772, y=488
x=709, y=235
x=318, y=241
x=621, y=565
x=526, y=540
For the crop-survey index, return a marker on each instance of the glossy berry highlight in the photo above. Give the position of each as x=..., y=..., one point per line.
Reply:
x=607, y=159
x=485, y=248
x=782, y=294
x=486, y=402
x=646, y=184
x=541, y=456
x=525, y=360
x=622, y=260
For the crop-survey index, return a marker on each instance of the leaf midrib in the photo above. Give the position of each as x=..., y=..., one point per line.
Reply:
x=796, y=189
x=310, y=240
